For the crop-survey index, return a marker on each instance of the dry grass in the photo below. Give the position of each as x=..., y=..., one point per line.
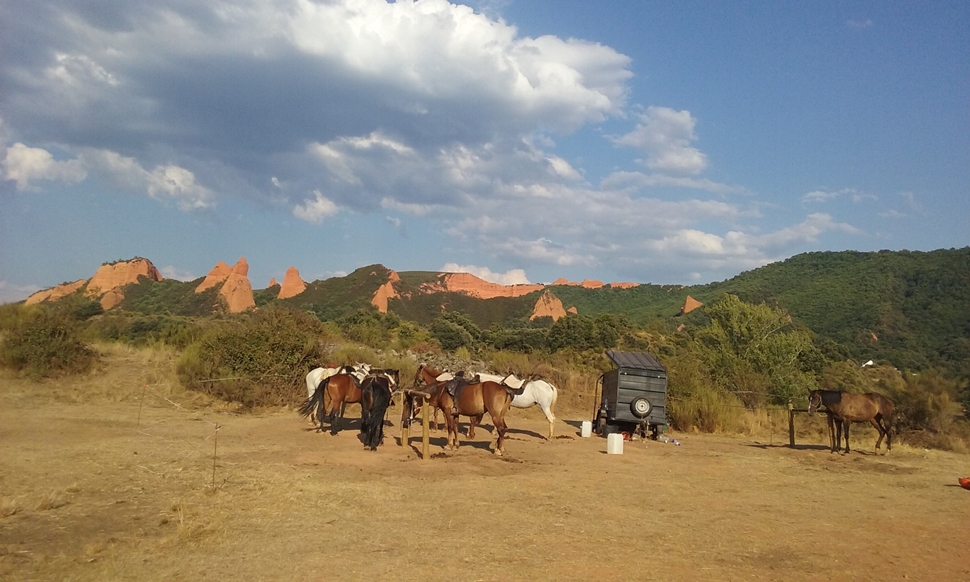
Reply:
x=298, y=505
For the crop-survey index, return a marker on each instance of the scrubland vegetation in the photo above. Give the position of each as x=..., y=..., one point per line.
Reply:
x=728, y=370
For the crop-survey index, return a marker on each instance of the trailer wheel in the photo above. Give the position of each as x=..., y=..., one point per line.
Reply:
x=641, y=407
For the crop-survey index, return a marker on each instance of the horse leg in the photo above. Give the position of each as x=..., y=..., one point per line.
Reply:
x=845, y=426
x=547, y=410
x=831, y=423
x=880, y=429
x=500, y=428
x=473, y=421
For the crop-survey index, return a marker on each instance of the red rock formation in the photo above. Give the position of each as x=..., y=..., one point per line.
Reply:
x=548, y=305
x=121, y=273
x=292, y=284
x=112, y=298
x=237, y=291
x=592, y=284
x=472, y=285
x=385, y=292
x=272, y=282
x=690, y=304
x=562, y=281
x=55, y=293
x=217, y=275
x=572, y=310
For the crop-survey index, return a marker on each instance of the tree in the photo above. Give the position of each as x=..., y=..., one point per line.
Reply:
x=757, y=352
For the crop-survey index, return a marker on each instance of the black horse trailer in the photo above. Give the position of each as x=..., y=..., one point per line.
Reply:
x=633, y=396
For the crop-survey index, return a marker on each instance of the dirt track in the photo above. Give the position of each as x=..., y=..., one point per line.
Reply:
x=91, y=492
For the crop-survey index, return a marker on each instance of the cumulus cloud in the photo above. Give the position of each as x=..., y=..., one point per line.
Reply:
x=422, y=111
x=510, y=277
x=665, y=135
x=24, y=164
x=315, y=210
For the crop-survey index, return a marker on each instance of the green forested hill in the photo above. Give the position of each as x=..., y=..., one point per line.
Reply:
x=911, y=309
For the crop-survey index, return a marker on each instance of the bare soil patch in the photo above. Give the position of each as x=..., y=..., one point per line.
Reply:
x=96, y=485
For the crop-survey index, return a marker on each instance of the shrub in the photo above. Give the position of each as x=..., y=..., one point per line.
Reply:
x=258, y=359
x=46, y=344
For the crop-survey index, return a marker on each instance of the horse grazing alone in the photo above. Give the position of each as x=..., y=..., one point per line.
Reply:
x=844, y=408
x=375, y=397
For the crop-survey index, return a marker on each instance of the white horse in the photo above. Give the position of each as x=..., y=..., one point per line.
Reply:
x=533, y=392
x=318, y=375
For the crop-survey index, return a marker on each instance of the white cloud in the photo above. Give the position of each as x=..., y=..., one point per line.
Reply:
x=623, y=179
x=24, y=164
x=315, y=210
x=824, y=195
x=510, y=277
x=10, y=293
x=665, y=134
x=859, y=23
x=164, y=182
x=173, y=272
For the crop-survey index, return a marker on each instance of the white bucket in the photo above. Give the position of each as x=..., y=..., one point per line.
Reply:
x=614, y=444
x=587, y=430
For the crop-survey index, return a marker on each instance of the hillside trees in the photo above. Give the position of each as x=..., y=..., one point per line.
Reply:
x=756, y=352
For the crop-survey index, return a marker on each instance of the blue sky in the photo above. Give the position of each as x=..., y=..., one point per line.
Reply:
x=522, y=141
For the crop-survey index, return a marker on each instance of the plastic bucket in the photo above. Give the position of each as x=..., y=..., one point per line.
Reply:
x=587, y=429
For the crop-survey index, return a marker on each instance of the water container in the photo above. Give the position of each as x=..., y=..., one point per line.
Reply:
x=586, y=430
x=614, y=444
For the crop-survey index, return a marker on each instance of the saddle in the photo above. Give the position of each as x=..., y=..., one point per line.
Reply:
x=515, y=386
x=456, y=386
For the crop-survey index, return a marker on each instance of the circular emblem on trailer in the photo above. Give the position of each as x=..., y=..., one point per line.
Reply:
x=641, y=407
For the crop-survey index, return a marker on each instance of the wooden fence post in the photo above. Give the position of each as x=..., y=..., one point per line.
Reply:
x=425, y=429
x=791, y=425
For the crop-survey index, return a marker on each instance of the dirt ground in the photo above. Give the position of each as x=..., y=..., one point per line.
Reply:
x=97, y=486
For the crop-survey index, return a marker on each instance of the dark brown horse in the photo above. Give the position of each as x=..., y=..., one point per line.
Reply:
x=375, y=397
x=843, y=408
x=474, y=400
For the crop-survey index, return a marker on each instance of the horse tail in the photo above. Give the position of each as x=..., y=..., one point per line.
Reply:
x=373, y=425
x=311, y=403
x=555, y=395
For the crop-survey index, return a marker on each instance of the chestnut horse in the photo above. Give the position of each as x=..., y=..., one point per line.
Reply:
x=474, y=400
x=845, y=407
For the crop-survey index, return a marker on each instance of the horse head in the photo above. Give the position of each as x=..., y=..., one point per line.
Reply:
x=814, y=401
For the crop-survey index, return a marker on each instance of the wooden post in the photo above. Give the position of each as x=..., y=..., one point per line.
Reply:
x=791, y=425
x=405, y=422
x=425, y=429
x=215, y=448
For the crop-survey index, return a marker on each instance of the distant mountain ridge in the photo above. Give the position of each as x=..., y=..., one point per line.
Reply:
x=910, y=308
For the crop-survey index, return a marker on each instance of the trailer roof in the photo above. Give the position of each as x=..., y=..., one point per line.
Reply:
x=635, y=360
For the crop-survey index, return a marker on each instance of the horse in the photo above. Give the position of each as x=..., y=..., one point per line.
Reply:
x=844, y=408
x=529, y=393
x=473, y=400
x=430, y=377
x=343, y=389
x=317, y=375
x=375, y=397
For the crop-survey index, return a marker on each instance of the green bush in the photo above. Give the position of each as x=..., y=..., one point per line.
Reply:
x=257, y=359
x=46, y=343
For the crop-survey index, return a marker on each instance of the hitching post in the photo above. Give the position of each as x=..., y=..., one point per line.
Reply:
x=791, y=425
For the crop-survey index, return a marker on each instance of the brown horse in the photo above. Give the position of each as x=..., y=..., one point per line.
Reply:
x=844, y=408
x=342, y=389
x=426, y=378
x=474, y=400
